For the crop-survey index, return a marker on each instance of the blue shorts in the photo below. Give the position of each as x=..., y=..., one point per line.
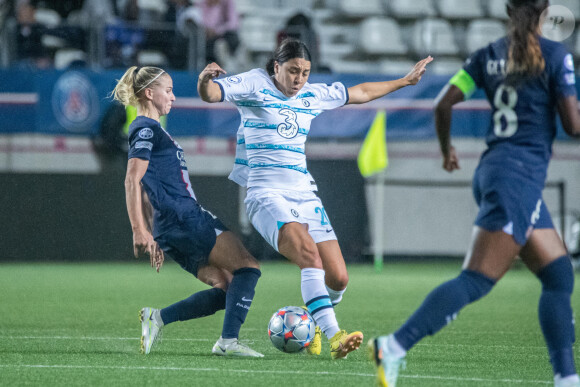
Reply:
x=509, y=201
x=191, y=239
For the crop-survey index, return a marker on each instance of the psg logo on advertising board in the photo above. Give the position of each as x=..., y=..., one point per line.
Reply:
x=75, y=102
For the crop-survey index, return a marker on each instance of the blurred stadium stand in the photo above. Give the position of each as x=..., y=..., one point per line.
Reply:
x=353, y=36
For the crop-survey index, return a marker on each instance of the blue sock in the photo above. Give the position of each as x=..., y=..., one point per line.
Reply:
x=238, y=300
x=200, y=304
x=555, y=314
x=442, y=305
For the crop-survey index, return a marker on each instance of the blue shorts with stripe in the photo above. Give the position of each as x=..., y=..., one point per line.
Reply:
x=508, y=200
x=191, y=239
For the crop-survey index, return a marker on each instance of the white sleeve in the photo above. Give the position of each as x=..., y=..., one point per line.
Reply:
x=331, y=96
x=237, y=87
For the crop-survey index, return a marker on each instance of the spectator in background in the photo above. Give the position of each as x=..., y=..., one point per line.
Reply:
x=221, y=22
x=300, y=27
x=30, y=51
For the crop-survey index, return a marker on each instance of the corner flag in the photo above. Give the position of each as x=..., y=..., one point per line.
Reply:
x=373, y=157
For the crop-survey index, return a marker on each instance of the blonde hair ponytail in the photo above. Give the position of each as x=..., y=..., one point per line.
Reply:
x=131, y=85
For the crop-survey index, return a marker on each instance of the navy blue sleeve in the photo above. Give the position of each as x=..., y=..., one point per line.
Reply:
x=141, y=142
x=563, y=77
x=473, y=66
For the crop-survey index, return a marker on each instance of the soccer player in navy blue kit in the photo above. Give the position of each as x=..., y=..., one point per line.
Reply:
x=166, y=218
x=526, y=79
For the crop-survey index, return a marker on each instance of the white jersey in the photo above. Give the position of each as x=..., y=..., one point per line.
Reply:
x=270, y=151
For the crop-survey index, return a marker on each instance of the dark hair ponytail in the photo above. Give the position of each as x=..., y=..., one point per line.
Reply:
x=524, y=53
x=288, y=49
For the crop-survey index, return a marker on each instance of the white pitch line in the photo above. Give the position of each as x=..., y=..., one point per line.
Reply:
x=86, y=338
x=205, y=340
x=284, y=372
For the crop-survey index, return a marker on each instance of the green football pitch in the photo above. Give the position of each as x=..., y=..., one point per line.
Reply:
x=77, y=324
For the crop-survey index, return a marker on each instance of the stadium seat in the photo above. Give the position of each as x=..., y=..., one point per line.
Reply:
x=380, y=36
x=433, y=37
x=360, y=8
x=330, y=53
x=482, y=32
x=445, y=66
x=152, y=58
x=354, y=67
x=399, y=67
x=272, y=8
x=496, y=9
x=258, y=33
x=65, y=56
x=459, y=9
x=47, y=17
x=405, y=9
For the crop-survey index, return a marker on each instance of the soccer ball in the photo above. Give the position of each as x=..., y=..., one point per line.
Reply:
x=291, y=329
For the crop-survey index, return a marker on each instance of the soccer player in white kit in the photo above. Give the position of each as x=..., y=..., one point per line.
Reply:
x=276, y=107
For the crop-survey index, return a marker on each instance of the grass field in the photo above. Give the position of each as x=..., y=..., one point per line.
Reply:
x=76, y=324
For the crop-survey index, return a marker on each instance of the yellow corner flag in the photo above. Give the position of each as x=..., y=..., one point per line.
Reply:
x=373, y=157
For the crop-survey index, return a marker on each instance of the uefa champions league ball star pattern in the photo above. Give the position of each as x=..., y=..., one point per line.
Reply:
x=291, y=329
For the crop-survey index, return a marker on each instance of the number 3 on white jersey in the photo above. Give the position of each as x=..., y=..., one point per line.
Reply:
x=506, y=111
x=288, y=128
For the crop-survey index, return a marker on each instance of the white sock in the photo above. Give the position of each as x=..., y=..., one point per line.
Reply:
x=335, y=295
x=317, y=300
x=568, y=379
x=226, y=342
x=394, y=347
x=157, y=317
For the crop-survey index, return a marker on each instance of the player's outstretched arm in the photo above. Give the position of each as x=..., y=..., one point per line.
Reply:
x=569, y=115
x=449, y=96
x=369, y=91
x=208, y=90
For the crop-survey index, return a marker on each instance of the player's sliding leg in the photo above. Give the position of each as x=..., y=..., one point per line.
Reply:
x=200, y=304
x=238, y=300
x=230, y=255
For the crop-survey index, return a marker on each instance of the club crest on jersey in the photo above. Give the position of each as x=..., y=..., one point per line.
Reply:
x=305, y=103
x=146, y=133
x=294, y=213
x=234, y=79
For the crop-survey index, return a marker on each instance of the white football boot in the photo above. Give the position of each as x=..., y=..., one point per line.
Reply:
x=387, y=364
x=150, y=329
x=569, y=381
x=232, y=347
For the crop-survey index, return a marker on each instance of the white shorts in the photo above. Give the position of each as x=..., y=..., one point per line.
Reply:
x=270, y=209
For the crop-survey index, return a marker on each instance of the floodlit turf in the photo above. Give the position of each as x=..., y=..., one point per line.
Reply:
x=77, y=324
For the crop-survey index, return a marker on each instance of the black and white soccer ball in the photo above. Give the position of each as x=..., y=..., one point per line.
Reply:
x=291, y=329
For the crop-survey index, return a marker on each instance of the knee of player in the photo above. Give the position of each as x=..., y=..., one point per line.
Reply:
x=223, y=285
x=247, y=260
x=338, y=282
